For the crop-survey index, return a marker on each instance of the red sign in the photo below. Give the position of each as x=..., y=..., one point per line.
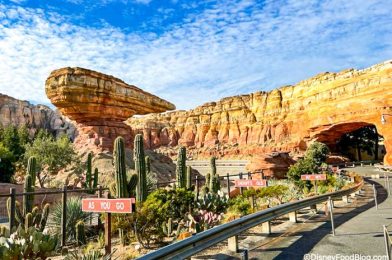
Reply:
x=250, y=183
x=108, y=205
x=313, y=177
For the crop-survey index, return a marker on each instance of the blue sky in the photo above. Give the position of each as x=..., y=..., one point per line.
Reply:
x=189, y=52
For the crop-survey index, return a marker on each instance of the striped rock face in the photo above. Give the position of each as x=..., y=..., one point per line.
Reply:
x=321, y=108
x=99, y=104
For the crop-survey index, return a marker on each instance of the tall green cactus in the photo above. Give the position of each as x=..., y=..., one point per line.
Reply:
x=88, y=183
x=28, y=200
x=213, y=165
x=31, y=168
x=95, y=180
x=140, y=168
x=181, y=168
x=189, y=177
x=120, y=169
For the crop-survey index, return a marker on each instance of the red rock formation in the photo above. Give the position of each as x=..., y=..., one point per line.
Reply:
x=99, y=104
x=286, y=119
x=34, y=117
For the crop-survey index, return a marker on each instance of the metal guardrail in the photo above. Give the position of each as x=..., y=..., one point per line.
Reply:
x=201, y=241
x=388, y=242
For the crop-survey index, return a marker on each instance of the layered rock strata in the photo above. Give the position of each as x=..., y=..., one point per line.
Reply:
x=34, y=117
x=99, y=104
x=285, y=119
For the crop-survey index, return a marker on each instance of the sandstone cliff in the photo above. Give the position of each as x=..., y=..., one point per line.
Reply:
x=285, y=119
x=17, y=112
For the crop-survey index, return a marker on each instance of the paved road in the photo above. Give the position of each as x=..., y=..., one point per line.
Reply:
x=358, y=229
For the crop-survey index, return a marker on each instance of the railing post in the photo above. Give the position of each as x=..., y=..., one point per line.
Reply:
x=345, y=199
x=241, y=188
x=197, y=186
x=266, y=227
x=64, y=217
x=13, y=205
x=99, y=215
x=233, y=244
x=386, y=240
x=331, y=214
x=245, y=255
x=375, y=196
x=293, y=216
x=228, y=184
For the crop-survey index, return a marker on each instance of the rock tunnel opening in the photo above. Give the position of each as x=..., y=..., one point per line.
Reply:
x=358, y=141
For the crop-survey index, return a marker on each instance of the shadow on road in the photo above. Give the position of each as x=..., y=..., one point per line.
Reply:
x=308, y=239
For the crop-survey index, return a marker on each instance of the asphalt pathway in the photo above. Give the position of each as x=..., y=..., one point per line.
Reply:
x=358, y=229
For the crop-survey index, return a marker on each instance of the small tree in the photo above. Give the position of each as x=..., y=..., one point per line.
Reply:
x=317, y=152
x=52, y=154
x=6, y=165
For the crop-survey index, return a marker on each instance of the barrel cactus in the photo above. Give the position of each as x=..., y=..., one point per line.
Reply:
x=80, y=233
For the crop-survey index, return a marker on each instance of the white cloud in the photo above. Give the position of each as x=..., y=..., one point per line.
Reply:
x=234, y=47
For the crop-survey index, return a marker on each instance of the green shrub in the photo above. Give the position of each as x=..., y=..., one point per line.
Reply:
x=240, y=205
x=74, y=215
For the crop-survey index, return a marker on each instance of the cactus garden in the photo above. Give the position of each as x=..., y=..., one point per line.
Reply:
x=187, y=205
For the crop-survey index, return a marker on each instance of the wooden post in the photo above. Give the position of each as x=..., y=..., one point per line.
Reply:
x=345, y=199
x=266, y=227
x=262, y=174
x=108, y=230
x=233, y=244
x=99, y=215
x=293, y=217
x=12, y=213
x=228, y=184
x=241, y=189
x=64, y=217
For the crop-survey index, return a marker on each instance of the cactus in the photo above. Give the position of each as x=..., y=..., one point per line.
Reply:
x=215, y=184
x=120, y=170
x=167, y=227
x=213, y=166
x=3, y=231
x=148, y=164
x=181, y=170
x=189, y=177
x=132, y=184
x=88, y=183
x=95, y=180
x=31, y=169
x=80, y=234
x=28, y=221
x=28, y=200
x=20, y=218
x=140, y=168
x=44, y=218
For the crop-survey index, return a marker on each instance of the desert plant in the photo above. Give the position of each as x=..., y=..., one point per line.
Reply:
x=189, y=177
x=181, y=168
x=74, y=215
x=140, y=168
x=27, y=244
x=80, y=234
x=213, y=202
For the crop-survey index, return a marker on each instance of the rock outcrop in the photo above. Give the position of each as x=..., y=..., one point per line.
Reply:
x=285, y=119
x=99, y=104
x=34, y=117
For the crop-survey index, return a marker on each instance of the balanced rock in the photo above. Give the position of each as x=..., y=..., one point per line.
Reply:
x=321, y=108
x=99, y=104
